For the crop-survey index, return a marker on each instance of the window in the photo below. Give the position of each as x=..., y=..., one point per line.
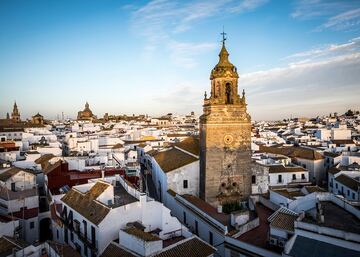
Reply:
x=13, y=188
x=211, y=238
x=348, y=192
x=302, y=176
x=184, y=217
x=93, y=236
x=336, y=185
x=32, y=224
x=77, y=226
x=253, y=179
x=294, y=176
x=353, y=196
x=304, y=166
x=196, y=228
x=279, y=178
x=185, y=183
x=85, y=228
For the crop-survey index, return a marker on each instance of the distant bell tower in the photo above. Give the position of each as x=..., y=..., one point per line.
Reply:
x=15, y=115
x=225, y=138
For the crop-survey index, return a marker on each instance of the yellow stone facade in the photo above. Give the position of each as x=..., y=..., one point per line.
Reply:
x=225, y=138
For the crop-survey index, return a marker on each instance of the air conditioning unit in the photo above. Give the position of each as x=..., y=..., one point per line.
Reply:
x=281, y=244
x=273, y=241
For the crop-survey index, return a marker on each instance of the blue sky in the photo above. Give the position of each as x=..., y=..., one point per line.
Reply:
x=299, y=58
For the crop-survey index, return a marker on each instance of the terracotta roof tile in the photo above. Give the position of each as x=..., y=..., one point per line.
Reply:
x=190, y=144
x=193, y=247
x=113, y=250
x=141, y=234
x=293, y=152
x=349, y=182
x=284, y=169
x=173, y=159
x=86, y=204
x=208, y=209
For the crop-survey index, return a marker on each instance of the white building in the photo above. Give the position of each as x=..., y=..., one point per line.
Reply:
x=93, y=215
x=19, y=198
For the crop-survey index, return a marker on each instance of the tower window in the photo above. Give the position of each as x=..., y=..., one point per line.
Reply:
x=185, y=183
x=228, y=94
x=253, y=179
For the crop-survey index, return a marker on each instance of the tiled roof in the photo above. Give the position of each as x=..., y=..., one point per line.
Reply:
x=283, y=169
x=283, y=218
x=63, y=249
x=290, y=194
x=7, y=244
x=173, y=159
x=50, y=167
x=333, y=170
x=118, y=146
x=86, y=204
x=113, y=250
x=193, y=247
x=190, y=144
x=208, y=209
x=312, y=189
x=141, y=234
x=9, y=173
x=343, y=142
x=43, y=160
x=331, y=154
x=6, y=247
x=349, y=182
x=294, y=152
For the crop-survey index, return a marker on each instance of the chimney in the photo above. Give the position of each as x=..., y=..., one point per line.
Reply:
x=219, y=209
x=142, y=198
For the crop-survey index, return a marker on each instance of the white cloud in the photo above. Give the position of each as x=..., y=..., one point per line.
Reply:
x=183, y=53
x=309, y=9
x=309, y=86
x=326, y=51
x=338, y=14
x=342, y=21
x=159, y=21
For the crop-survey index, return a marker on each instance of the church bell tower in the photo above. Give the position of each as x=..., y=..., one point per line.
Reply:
x=225, y=138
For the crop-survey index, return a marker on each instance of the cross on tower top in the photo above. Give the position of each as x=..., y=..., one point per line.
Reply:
x=223, y=36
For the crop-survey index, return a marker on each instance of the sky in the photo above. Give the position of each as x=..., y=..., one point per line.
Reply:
x=295, y=58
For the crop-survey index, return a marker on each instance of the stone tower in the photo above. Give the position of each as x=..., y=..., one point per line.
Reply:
x=15, y=115
x=225, y=138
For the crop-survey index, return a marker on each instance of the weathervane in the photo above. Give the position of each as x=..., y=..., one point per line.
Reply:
x=223, y=36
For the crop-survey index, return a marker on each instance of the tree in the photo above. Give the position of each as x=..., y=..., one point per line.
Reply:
x=349, y=113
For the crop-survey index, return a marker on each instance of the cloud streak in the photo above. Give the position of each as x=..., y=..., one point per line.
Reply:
x=163, y=20
x=338, y=14
x=319, y=81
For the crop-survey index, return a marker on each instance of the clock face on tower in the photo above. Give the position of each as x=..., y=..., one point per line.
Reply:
x=228, y=139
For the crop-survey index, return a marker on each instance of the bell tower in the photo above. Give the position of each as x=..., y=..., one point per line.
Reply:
x=15, y=115
x=225, y=138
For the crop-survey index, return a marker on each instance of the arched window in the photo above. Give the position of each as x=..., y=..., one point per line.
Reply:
x=228, y=93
